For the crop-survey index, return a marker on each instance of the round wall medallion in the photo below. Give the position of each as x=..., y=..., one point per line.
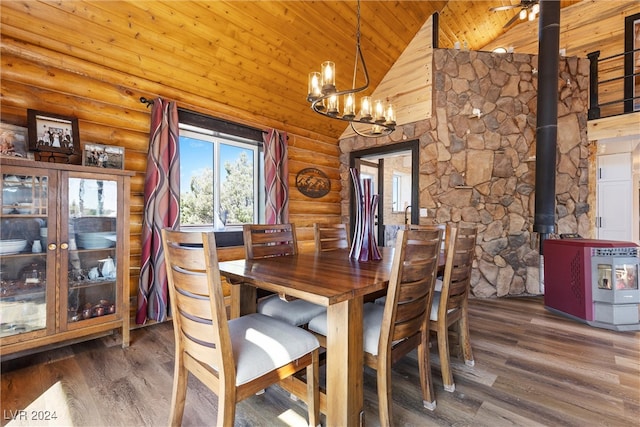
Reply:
x=313, y=182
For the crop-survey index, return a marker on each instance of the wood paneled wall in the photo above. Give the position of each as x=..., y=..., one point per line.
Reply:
x=408, y=84
x=106, y=103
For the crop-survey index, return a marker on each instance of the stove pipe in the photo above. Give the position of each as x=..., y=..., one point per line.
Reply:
x=547, y=119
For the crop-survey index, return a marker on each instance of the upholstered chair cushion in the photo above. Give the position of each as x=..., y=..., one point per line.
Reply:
x=436, y=300
x=262, y=344
x=297, y=312
x=371, y=322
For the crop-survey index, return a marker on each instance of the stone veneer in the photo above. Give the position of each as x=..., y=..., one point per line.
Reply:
x=482, y=170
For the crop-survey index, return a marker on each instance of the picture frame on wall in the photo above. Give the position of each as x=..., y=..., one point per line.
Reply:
x=103, y=156
x=14, y=141
x=53, y=133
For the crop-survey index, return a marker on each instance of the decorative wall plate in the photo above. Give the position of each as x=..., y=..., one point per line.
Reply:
x=313, y=183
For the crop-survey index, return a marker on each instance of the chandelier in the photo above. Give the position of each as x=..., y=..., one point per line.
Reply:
x=376, y=118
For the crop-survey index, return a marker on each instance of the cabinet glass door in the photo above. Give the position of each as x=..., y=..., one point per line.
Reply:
x=92, y=273
x=23, y=255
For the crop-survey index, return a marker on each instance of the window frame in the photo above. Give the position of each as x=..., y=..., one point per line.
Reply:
x=217, y=132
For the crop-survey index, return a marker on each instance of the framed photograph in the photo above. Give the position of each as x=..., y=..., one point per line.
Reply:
x=103, y=156
x=13, y=141
x=53, y=133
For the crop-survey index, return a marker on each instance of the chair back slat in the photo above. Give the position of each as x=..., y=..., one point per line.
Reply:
x=194, y=307
x=329, y=237
x=197, y=341
x=186, y=257
x=403, y=330
x=191, y=281
x=411, y=283
x=268, y=240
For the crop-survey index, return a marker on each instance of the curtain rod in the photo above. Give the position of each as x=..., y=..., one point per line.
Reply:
x=149, y=103
x=144, y=100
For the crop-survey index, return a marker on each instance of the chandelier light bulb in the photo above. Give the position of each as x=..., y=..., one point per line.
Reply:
x=333, y=107
x=532, y=16
x=349, y=106
x=365, y=109
x=523, y=14
x=314, y=85
x=390, y=115
x=535, y=8
x=328, y=77
x=379, y=111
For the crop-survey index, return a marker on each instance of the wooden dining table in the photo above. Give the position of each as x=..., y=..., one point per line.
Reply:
x=333, y=280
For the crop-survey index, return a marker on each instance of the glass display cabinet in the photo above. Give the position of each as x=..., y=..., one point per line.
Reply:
x=64, y=253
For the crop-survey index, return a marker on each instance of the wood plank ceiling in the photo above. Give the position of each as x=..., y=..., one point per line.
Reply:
x=251, y=56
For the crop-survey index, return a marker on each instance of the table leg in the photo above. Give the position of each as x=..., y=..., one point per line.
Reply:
x=243, y=300
x=345, y=363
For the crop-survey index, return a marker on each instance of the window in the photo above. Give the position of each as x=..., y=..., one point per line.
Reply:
x=400, y=192
x=221, y=184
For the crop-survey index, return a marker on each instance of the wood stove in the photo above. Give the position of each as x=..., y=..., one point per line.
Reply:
x=593, y=281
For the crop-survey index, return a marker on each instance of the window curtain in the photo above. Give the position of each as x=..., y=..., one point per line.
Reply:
x=161, y=210
x=276, y=171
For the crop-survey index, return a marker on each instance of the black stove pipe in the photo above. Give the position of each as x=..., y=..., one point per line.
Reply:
x=547, y=119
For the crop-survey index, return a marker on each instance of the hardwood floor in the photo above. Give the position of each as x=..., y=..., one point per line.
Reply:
x=546, y=370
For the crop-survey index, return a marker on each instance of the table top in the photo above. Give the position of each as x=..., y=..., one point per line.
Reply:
x=326, y=278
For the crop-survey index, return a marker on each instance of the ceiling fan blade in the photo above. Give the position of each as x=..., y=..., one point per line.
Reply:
x=512, y=20
x=508, y=7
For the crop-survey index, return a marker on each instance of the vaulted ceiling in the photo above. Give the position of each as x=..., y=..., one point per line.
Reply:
x=253, y=57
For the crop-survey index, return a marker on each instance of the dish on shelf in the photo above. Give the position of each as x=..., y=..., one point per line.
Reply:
x=19, y=208
x=96, y=240
x=11, y=180
x=43, y=237
x=25, y=208
x=12, y=246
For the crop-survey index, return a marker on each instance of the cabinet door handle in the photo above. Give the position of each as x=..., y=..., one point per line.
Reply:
x=52, y=246
x=64, y=245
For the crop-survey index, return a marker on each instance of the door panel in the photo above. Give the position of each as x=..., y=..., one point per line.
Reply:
x=614, y=197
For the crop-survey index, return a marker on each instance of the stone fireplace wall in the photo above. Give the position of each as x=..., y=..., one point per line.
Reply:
x=480, y=168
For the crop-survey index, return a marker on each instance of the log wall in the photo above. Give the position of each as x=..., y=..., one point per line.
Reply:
x=106, y=103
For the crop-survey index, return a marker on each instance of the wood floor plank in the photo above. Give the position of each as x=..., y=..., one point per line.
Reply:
x=494, y=414
x=532, y=367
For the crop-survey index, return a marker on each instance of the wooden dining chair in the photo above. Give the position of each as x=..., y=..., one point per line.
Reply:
x=450, y=304
x=263, y=241
x=402, y=324
x=234, y=358
x=329, y=237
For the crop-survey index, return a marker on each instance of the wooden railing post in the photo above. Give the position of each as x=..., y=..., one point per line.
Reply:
x=594, y=106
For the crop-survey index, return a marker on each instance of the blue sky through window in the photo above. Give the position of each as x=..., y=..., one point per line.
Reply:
x=196, y=155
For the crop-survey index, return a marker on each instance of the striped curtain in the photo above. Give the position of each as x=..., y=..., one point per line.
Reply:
x=276, y=171
x=161, y=209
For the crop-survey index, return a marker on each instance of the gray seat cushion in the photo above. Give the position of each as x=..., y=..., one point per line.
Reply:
x=435, y=304
x=297, y=312
x=371, y=322
x=262, y=344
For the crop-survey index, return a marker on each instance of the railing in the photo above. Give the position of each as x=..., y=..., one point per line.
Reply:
x=613, y=84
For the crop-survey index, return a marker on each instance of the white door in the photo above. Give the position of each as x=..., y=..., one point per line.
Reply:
x=613, y=220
